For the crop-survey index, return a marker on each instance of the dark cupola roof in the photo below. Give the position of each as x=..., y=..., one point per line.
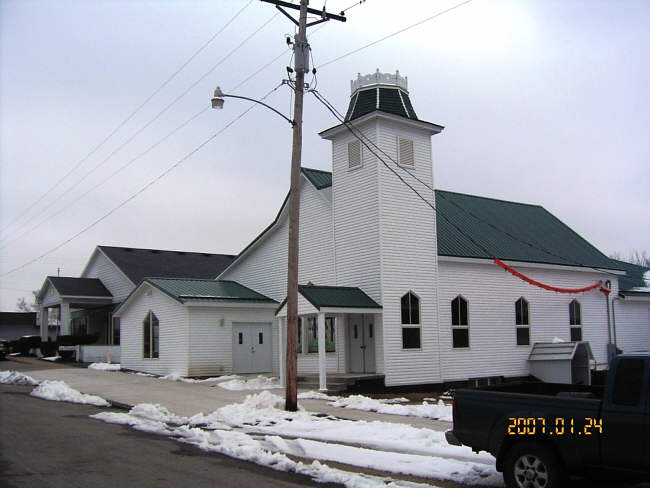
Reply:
x=385, y=92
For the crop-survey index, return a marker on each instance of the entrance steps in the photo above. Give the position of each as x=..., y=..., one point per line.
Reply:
x=337, y=382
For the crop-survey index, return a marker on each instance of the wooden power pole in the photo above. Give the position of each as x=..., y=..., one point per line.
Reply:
x=301, y=66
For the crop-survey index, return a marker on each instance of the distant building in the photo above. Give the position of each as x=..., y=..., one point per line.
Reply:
x=16, y=324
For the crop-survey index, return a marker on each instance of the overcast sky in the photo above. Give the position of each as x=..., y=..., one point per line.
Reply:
x=543, y=102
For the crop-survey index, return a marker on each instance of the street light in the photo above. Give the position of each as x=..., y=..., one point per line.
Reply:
x=218, y=101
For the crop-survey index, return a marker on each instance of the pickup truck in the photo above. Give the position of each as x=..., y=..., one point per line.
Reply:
x=540, y=433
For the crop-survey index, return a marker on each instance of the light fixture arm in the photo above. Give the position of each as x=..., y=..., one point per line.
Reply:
x=218, y=94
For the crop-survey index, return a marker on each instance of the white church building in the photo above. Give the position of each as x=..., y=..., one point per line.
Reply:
x=416, y=285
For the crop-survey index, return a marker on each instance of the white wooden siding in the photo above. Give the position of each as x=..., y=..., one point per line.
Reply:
x=355, y=196
x=112, y=278
x=491, y=293
x=173, y=320
x=408, y=256
x=264, y=268
x=211, y=344
x=632, y=325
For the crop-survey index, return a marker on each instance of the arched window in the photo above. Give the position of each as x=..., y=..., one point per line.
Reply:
x=459, y=322
x=411, y=321
x=410, y=309
x=575, y=320
x=522, y=322
x=150, y=336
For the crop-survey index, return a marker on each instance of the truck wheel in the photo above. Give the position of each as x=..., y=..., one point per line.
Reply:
x=532, y=465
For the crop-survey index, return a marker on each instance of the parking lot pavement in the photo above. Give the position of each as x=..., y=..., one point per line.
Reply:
x=181, y=398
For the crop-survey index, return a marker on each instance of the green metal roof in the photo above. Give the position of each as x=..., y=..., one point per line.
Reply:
x=336, y=296
x=634, y=277
x=385, y=99
x=185, y=290
x=507, y=230
x=319, y=178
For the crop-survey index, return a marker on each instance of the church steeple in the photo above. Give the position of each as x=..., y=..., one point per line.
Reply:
x=385, y=92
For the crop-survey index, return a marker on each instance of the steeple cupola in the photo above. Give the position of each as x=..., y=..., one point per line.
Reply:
x=386, y=92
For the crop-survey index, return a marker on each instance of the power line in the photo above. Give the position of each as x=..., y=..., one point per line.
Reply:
x=141, y=190
x=130, y=116
x=156, y=117
x=396, y=33
x=104, y=180
x=363, y=138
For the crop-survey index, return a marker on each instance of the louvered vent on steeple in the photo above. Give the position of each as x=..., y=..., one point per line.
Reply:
x=385, y=92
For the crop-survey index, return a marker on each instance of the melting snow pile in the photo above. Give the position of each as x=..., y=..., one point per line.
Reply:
x=16, y=378
x=433, y=411
x=259, y=383
x=105, y=366
x=61, y=392
x=316, y=395
x=52, y=358
x=176, y=377
x=259, y=421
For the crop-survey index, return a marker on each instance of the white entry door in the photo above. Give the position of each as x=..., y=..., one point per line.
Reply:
x=361, y=334
x=251, y=348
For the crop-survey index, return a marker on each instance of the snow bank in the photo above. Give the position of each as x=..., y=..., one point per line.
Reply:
x=52, y=358
x=438, y=410
x=176, y=377
x=387, y=447
x=557, y=340
x=316, y=395
x=259, y=383
x=105, y=366
x=15, y=378
x=61, y=392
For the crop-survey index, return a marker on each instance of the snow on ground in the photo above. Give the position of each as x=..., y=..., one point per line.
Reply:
x=52, y=358
x=433, y=411
x=262, y=413
x=243, y=446
x=259, y=383
x=105, y=366
x=61, y=392
x=176, y=377
x=316, y=395
x=15, y=378
x=391, y=447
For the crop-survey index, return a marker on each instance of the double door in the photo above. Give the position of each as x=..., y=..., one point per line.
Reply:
x=251, y=348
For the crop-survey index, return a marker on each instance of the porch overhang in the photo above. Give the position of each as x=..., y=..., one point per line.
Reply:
x=331, y=299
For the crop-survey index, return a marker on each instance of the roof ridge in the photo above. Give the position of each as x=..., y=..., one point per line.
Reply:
x=165, y=250
x=315, y=169
x=333, y=286
x=490, y=198
x=176, y=278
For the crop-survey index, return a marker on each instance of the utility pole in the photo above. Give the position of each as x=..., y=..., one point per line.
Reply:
x=301, y=66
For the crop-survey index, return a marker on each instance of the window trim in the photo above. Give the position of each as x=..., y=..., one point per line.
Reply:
x=147, y=325
x=572, y=318
x=460, y=326
x=417, y=325
x=525, y=325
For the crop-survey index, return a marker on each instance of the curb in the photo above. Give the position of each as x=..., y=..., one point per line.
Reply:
x=120, y=405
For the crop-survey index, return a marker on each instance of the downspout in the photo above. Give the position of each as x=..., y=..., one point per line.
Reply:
x=614, y=317
x=611, y=352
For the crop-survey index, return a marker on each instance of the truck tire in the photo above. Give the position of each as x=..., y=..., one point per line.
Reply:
x=532, y=465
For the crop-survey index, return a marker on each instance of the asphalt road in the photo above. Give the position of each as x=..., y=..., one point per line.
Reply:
x=54, y=444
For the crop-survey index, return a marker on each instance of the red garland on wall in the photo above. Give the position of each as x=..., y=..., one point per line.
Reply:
x=605, y=291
